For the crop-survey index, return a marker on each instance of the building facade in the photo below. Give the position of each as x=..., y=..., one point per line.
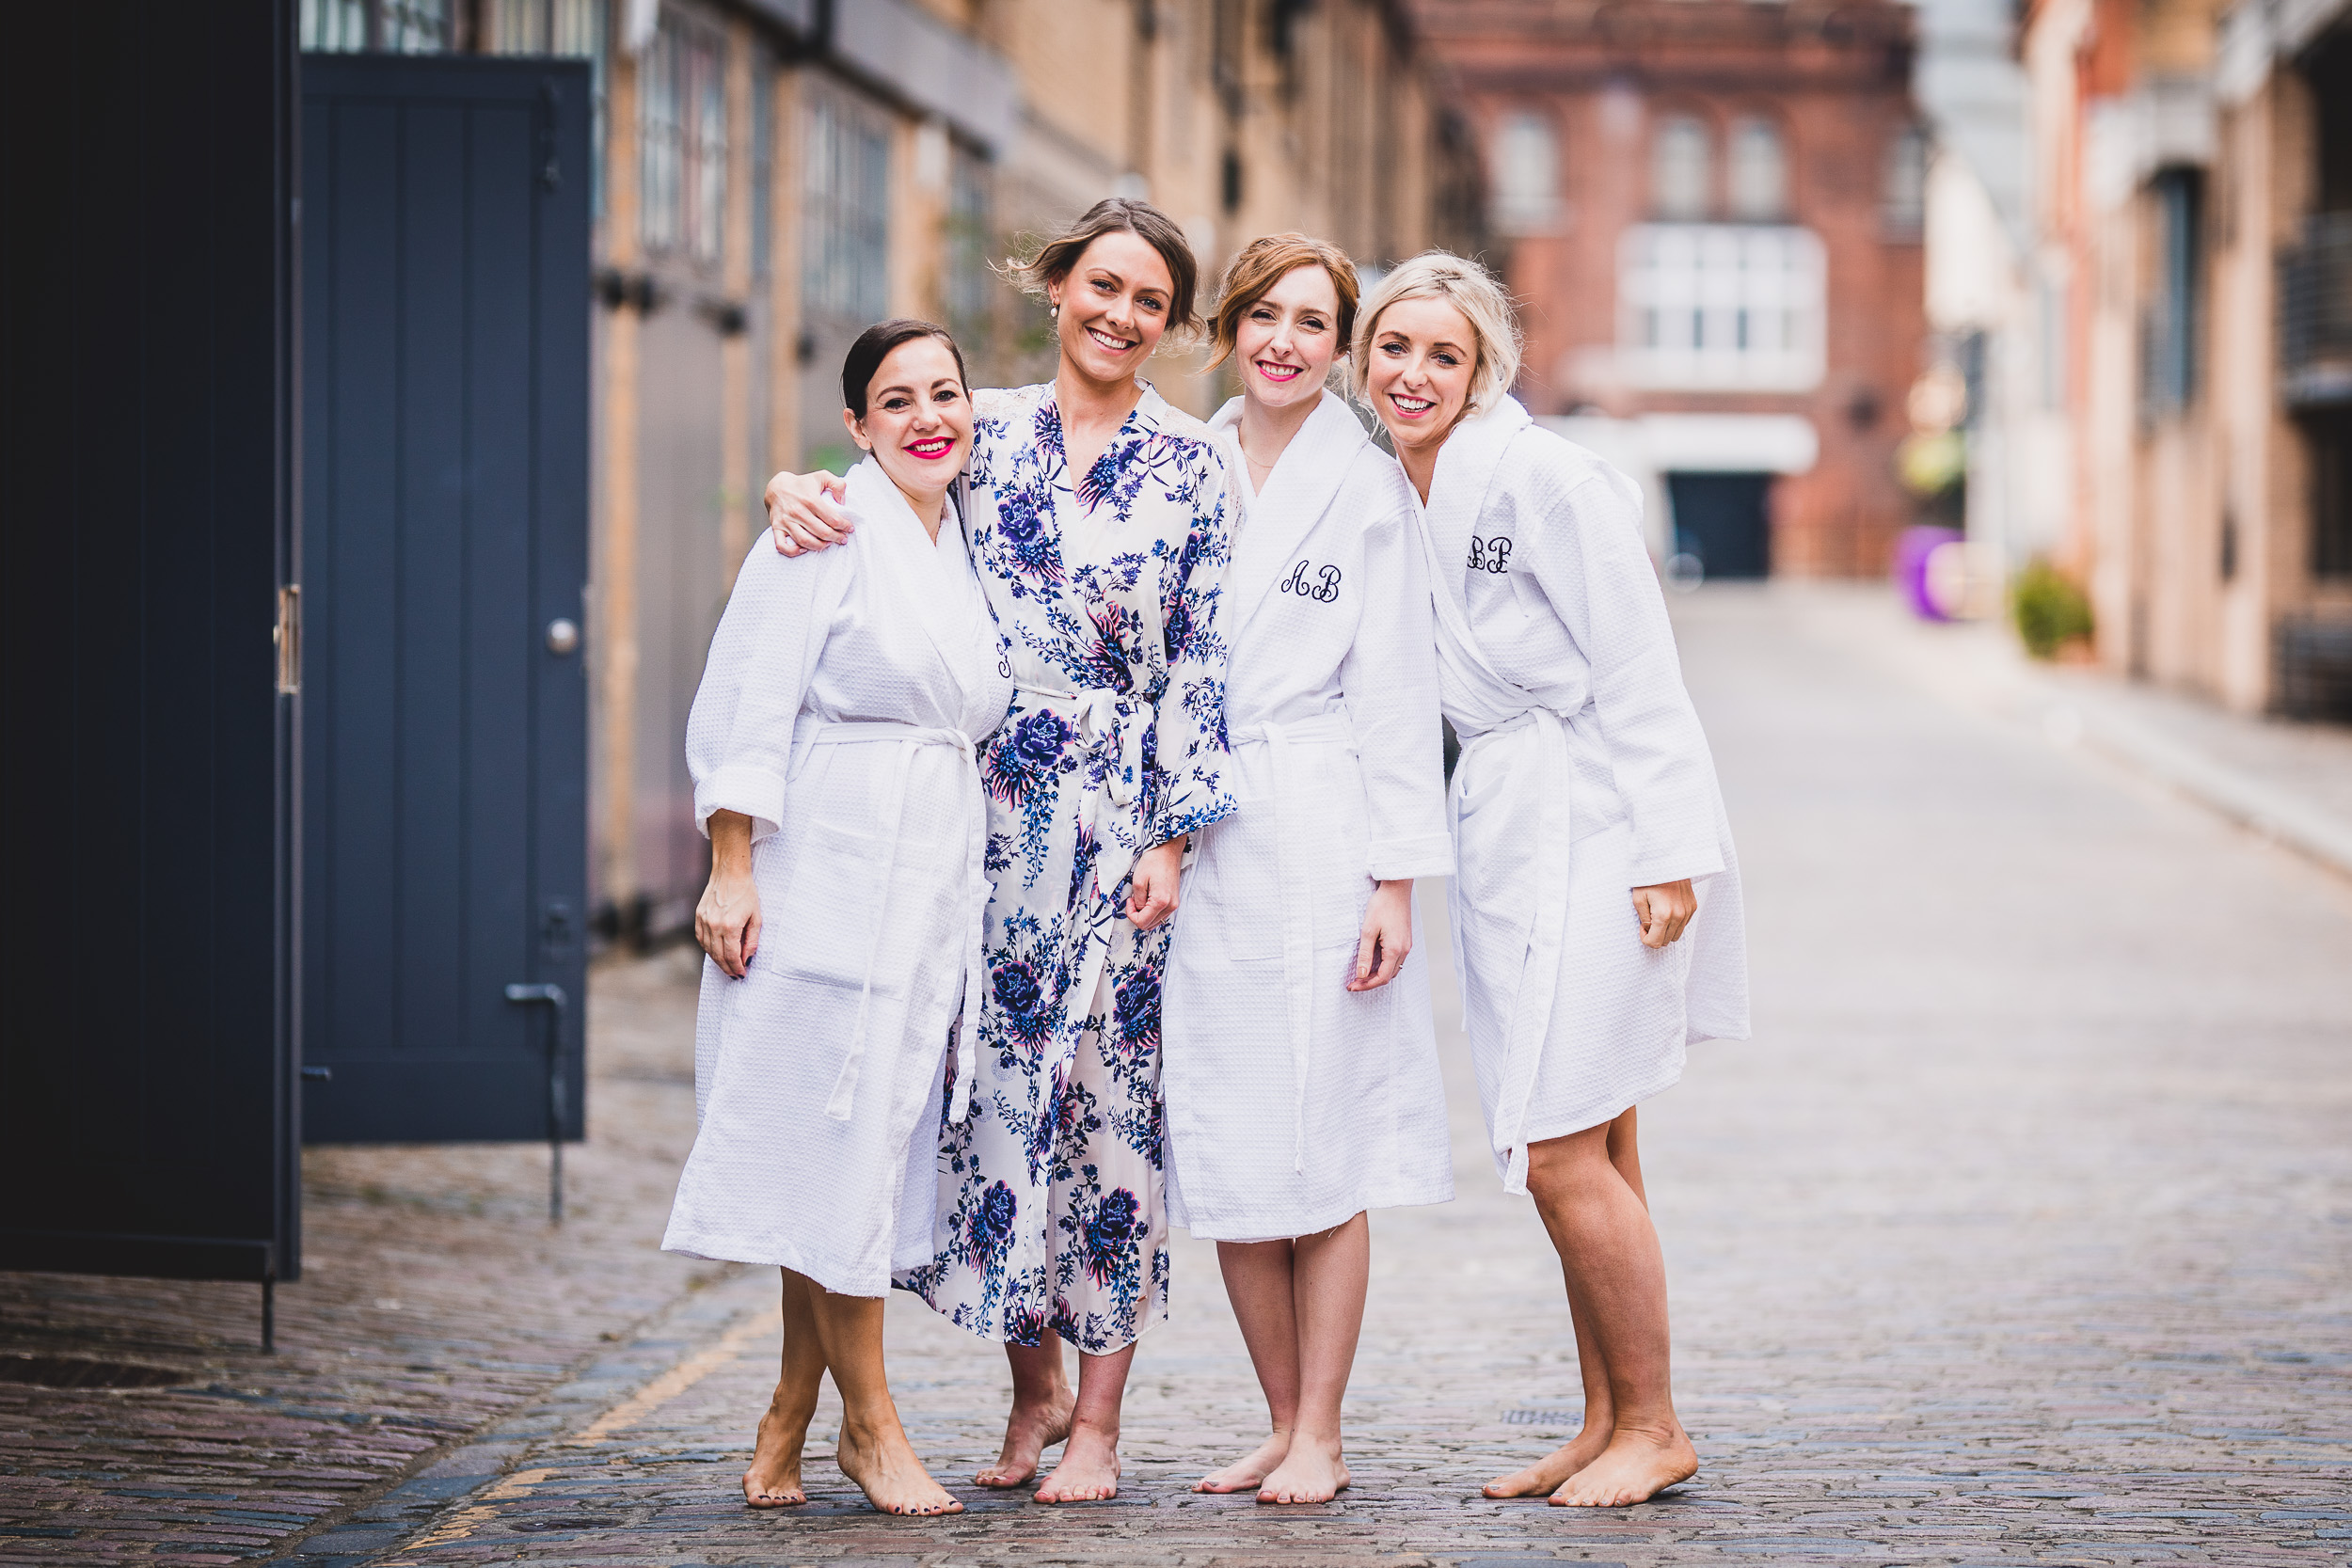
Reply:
x=775, y=175
x=1710, y=212
x=2194, y=169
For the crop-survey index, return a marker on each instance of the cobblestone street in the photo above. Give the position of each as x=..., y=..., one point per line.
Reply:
x=2021, y=1232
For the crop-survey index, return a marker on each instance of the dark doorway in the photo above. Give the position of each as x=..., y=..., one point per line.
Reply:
x=147, y=1037
x=1724, y=520
x=445, y=517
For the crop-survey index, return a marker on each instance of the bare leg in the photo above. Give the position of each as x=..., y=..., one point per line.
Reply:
x=773, y=1480
x=1331, y=1273
x=873, y=1450
x=1544, y=1477
x=1089, y=1470
x=1617, y=1291
x=1042, y=1403
x=1261, y=1283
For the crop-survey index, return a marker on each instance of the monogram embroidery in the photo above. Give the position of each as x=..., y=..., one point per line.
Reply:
x=1322, y=591
x=1490, y=555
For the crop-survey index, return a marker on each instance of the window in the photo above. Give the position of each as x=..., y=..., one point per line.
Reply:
x=1724, y=307
x=970, y=284
x=1681, y=169
x=1527, y=173
x=2168, y=371
x=335, y=24
x=1903, y=211
x=407, y=26
x=1759, y=172
x=763, y=161
x=683, y=152
x=846, y=244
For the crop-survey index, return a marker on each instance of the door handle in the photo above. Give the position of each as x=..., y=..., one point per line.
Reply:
x=562, y=636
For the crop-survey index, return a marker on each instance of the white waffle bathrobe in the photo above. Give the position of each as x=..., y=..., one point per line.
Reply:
x=1583, y=775
x=840, y=710
x=1293, y=1103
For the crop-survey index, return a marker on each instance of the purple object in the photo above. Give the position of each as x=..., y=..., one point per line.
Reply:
x=1912, y=549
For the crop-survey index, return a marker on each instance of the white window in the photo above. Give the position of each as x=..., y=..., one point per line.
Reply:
x=1527, y=174
x=845, y=242
x=1759, y=172
x=1721, y=307
x=683, y=132
x=1904, y=210
x=1682, y=173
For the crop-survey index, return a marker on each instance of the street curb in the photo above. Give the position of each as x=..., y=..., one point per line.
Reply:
x=2276, y=815
x=392, y=1522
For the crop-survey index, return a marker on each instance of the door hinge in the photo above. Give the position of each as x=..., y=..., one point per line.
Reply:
x=287, y=637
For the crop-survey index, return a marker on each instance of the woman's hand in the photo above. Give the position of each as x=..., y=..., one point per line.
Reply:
x=1664, y=910
x=804, y=512
x=726, y=921
x=1388, y=935
x=1151, y=888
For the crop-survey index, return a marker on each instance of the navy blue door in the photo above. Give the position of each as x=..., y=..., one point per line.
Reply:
x=147, y=331
x=445, y=552
x=1725, y=520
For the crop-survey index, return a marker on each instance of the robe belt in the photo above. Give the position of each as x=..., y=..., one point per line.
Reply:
x=976, y=889
x=1299, y=929
x=1528, y=1019
x=1109, y=720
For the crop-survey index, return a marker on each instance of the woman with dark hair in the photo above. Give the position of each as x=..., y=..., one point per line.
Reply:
x=831, y=746
x=1099, y=519
x=1303, y=1086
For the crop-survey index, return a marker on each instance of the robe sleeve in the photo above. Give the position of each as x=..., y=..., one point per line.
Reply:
x=1191, y=784
x=738, y=737
x=1590, y=563
x=1389, y=675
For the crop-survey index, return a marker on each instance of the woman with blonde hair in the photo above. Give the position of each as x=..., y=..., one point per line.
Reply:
x=1099, y=524
x=1301, y=1066
x=1589, y=833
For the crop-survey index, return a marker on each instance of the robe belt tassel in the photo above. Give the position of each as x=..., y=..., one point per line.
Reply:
x=907, y=738
x=1529, y=1015
x=1108, y=719
x=1298, y=929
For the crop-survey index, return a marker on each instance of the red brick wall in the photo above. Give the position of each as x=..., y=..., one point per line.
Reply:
x=1836, y=83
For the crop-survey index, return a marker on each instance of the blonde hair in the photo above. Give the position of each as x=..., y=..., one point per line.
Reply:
x=1470, y=289
x=1264, y=263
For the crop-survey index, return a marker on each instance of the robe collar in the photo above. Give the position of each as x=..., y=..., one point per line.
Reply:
x=931, y=562
x=1457, y=491
x=1306, y=479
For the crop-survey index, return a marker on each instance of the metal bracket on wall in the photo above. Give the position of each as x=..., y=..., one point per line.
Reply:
x=551, y=997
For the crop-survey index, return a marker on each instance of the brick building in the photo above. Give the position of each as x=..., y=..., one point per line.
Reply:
x=775, y=175
x=1711, y=211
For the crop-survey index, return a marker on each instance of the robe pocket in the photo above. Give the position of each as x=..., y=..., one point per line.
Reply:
x=831, y=917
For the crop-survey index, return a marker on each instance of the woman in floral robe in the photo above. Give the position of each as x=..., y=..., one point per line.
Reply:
x=1099, y=526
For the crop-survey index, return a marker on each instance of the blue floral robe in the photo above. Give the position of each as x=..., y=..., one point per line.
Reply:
x=1050, y=1208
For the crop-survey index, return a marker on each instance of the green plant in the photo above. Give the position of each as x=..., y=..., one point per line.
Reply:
x=2049, y=609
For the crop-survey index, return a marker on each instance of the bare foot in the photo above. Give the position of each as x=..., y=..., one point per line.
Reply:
x=774, y=1478
x=1311, y=1472
x=884, y=1464
x=1088, y=1471
x=1029, y=1430
x=1250, y=1472
x=1634, y=1467
x=1544, y=1477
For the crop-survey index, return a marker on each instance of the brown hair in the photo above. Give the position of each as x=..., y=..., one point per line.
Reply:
x=1120, y=215
x=1266, y=262
x=873, y=346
